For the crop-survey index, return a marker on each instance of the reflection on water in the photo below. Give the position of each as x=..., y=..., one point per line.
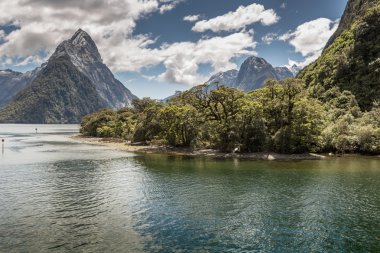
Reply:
x=57, y=196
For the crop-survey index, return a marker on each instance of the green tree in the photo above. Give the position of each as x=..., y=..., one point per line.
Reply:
x=179, y=124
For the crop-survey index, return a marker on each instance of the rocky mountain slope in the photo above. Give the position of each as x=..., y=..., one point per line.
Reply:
x=252, y=75
x=283, y=73
x=295, y=69
x=351, y=59
x=85, y=56
x=354, y=10
x=59, y=94
x=12, y=82
x=227, y=78
x=73, y=83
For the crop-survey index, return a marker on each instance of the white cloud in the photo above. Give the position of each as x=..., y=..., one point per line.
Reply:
x=168, y=5
x=239, y=19
x=108, y=21
x=111, y=26
x=310, y=38
x=308, y=60
x=191, y=18
x=283, y=5
x=33, y=59
x=182, y=59
x=269, y=38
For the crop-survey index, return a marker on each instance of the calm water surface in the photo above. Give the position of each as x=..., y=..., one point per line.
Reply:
x=60, y=196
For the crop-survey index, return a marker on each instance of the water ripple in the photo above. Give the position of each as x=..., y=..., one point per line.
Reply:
x=69, y=197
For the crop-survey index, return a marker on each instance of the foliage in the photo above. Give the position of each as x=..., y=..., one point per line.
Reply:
x=285, y=116
x=61, y=93
x=352, y=61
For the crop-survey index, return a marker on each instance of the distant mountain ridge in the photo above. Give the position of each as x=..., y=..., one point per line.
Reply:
x=59, y=94
x=74, y=82
x=253, y=74
x=11, y=82
x=283, y=73
x=227, y=78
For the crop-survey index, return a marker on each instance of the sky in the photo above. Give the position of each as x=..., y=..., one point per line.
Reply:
x=156, y=47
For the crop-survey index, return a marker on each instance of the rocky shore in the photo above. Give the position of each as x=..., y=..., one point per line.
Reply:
x=121, y=145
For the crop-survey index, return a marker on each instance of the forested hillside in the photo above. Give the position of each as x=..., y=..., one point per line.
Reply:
x=333, y=105
x=60, y=94
x=283, y=117
x=352, y=59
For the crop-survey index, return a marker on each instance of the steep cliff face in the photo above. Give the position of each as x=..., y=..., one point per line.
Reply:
x=355, y=9
x=59, y=94
x=351, y=60
x=84, y=54
x=12, y=82
x=253, y=74
x=74, y=82
x=283, y=73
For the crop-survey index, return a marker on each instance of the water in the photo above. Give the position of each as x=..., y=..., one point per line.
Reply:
x=57, y=195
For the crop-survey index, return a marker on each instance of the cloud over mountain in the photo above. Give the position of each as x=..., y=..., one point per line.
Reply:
x=239, y=19
x=112, y=24
x=310, y=38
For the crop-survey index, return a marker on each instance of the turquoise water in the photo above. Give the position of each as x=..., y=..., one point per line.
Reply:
x=57, y=195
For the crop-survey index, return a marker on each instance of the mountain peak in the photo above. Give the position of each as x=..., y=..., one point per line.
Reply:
x=80, y=31
x=80, y=48
x=256, y=60
x=254, y=72
x=82, y=38
x=83, y=53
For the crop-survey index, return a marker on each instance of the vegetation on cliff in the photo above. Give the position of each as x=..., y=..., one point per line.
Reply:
x=284, y=117
x=352, y=59
x=333, y=106
x=59, y=94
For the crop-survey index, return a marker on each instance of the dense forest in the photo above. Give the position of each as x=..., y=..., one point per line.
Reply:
x=332, y=106
x=285, y=117
x=352, y=59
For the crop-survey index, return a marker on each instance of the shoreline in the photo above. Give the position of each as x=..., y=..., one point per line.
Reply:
x=121, y=145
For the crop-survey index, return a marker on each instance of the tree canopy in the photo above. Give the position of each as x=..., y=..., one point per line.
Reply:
x=285, y=117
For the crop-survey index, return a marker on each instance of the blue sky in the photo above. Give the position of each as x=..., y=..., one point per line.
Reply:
x=154, y=51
